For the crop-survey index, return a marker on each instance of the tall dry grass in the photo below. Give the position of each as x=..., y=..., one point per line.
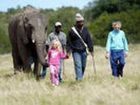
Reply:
x=99, y=89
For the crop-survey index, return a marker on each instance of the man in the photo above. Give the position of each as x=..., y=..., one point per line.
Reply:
x=77, y=46
x=57, y=34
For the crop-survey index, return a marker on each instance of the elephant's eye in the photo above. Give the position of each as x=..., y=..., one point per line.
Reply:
x=46, y=29
x=32, y=28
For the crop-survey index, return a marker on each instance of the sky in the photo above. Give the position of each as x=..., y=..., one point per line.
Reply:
x=49, y=4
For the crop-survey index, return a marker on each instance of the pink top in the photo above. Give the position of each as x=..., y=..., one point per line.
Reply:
x=54, y=56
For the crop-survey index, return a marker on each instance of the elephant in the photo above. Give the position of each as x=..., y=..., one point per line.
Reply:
x=28, y=34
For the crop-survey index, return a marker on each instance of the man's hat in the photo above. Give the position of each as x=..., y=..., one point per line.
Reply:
x=58, y=24
x=79, y=17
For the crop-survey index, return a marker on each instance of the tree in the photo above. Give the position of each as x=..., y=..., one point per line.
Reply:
x=130, y=24
x=66, y=15
x=96, y=8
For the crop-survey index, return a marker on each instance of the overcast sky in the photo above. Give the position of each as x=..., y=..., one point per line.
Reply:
x=53, y=4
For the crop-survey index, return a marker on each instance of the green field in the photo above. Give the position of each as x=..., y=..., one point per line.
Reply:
x=99, y=89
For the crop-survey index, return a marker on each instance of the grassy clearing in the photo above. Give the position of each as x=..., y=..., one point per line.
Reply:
x=99, y=89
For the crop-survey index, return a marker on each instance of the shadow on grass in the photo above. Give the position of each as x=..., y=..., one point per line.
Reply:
x=7, y=76
x=19, y=75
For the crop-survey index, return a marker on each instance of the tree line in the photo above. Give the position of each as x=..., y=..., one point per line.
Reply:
x=99, y=14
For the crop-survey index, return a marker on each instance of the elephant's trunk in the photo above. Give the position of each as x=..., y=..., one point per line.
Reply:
x=40, y=47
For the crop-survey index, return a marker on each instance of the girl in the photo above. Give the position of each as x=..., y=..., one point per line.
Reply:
x=55, y=54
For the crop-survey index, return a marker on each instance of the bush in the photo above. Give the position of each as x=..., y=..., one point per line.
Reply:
x=66, y=15
x=130, y=24
x=4, y=41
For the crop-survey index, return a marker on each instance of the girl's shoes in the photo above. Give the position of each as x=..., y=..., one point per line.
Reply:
x=54, y=85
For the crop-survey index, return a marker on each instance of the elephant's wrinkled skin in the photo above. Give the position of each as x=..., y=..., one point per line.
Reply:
x=27, y=36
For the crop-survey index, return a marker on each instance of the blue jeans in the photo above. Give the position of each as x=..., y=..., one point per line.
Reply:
x=61, y=70
x=79, y=59
x=117, y=61
x=44, y=72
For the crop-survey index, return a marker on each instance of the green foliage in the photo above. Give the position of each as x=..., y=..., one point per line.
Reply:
x=100, y=28
x=97, y=7
x=103, y=12
x=14, y=10
x=130, y=24
x=4, y=42
x=65, y=15
x=4, y=39
x=99, y=14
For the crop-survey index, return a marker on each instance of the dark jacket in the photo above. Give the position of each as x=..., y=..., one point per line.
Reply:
x=75, y=44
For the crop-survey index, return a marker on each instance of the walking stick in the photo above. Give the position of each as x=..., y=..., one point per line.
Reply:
x=64, y=69
x=93, y=62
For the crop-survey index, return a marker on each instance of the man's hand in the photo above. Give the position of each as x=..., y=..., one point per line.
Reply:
x=92, y=54
x=107, y=55
x=68, y=55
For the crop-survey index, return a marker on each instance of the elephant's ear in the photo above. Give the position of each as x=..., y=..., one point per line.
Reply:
x=45, y=22
x=22, y=32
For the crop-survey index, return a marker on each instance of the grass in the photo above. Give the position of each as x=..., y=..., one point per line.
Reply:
x=99, y=89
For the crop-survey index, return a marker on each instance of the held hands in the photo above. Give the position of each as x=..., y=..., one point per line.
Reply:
x=67, y=56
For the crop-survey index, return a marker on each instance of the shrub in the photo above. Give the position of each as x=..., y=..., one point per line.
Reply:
x=130, y=24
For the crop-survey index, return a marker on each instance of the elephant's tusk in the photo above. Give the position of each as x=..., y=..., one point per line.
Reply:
x=33, y=41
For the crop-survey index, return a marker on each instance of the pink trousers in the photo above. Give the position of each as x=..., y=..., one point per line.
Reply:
x=54, y=71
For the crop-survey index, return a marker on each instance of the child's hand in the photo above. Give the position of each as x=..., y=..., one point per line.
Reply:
x=67, y=57
x=125, y=54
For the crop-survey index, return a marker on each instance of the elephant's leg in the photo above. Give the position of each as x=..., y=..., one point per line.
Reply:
x=37, y=68
x=16, y=61
x=25, y=57
x=27, y=68
x=26, y=64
